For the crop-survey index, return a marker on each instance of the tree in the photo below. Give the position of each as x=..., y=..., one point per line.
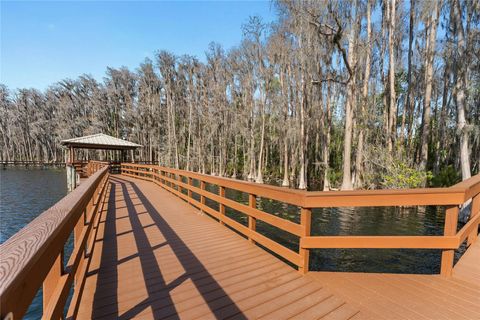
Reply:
x=312, y=100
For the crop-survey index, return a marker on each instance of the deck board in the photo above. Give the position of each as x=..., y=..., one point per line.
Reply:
x=468, y=267
x=394, y=296
x=156, y=257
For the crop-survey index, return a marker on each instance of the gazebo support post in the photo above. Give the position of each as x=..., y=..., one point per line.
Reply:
x=71, y=155
x=71, y=173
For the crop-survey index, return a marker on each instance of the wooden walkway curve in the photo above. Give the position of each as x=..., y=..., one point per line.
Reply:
x=157, y=257
x=142, y=249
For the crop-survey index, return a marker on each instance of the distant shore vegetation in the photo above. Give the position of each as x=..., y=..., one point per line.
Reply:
x=357, y=94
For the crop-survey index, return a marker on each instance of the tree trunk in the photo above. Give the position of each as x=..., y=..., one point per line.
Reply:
x=363, y=113
x=326, y=145
x=259, y=178
x=440, y=143
x=301, y=175
x=430, y=53
x=460, y=87
x=349, y=110
x=285, y=182
x=408, y=108
x=392, y=121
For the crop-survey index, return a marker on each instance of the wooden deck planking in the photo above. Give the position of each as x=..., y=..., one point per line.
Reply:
x=394, y=296
x=468, y=267
x=157, y=257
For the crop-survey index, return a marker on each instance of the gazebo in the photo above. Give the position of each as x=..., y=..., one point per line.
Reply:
x=100, y=141
x=97, y=141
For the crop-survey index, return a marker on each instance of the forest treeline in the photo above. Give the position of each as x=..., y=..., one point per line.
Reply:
x=333, y=94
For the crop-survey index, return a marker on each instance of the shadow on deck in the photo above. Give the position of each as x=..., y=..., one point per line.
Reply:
x=157, y=257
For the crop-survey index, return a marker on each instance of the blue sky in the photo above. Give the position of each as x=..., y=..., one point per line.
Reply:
x=44, y=42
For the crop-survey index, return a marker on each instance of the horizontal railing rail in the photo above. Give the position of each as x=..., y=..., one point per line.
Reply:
x=452, y=198
x=147, y=162
x=93, y=166
x=33, y=257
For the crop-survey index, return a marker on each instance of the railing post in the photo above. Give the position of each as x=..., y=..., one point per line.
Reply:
x=450, y=229
x=189, y=192
x=52, y=279
x=90, y=205
x=221, y=206
x=305, y=222
x=252, y=222
x=77, y=232
x=475, y=211
x=202, y=197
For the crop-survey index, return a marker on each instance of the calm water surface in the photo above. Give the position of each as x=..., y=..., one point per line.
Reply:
x=25, y=193
x=415, y=221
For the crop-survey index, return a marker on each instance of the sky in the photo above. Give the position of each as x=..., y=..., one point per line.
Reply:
x=45, y=42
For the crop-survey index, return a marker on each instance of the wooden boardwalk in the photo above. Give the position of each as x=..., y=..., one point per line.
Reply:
x=140, y=251
x=157, y=257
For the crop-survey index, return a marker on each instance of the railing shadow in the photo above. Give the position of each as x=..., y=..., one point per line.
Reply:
x=108, y=257
x=159, y=299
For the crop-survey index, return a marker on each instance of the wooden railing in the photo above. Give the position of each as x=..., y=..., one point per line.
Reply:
x=34, y=256
x=93, y=166
x=452, y=198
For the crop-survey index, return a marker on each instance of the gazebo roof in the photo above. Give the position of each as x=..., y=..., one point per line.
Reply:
x=100, y=141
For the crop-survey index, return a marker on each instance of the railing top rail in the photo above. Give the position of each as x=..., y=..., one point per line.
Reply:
x=290, y=196
x=90, y=161
x=395, y=197
x=20, y=253
x=471, y=186
x=454, y=195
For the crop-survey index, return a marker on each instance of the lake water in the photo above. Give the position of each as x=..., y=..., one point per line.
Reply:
x=25, y=193
x=414, y=221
